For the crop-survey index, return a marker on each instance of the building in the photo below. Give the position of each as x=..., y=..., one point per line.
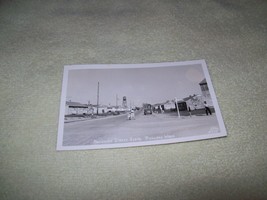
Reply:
x=75, y=108
x=170, y=105
x=204, y=88
x=205, y=92
x=194, y=102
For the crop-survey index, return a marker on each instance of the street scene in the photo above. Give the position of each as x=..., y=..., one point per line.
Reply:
x=144, y=128
x=137, y=104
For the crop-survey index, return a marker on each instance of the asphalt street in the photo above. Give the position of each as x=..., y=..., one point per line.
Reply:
x=118, y=129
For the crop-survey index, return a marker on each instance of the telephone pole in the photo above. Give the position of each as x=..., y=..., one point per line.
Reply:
x=97, y=98
x=117, y=100
x=177, y=106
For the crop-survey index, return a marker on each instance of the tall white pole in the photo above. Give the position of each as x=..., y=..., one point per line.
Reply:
x=97, y=98
x=178, y=112
x=116, y=100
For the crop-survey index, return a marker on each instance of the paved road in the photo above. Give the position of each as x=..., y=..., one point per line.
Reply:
x=118, y=129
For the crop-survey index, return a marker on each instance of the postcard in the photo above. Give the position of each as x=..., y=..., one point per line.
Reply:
x=129, y=105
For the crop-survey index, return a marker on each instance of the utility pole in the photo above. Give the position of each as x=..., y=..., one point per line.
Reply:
x=178, y=112
x=88, y=107
x=97, y=98
x=117, y=100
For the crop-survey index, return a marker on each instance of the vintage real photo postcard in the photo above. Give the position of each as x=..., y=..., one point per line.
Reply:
x=125, y=105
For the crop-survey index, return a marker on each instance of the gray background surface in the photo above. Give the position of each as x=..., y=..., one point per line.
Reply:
x=37, y=38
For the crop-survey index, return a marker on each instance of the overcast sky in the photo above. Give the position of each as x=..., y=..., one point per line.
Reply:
x=139, y=85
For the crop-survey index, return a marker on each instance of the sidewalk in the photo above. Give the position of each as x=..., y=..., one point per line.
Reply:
x=183, y=115
x=78, y=119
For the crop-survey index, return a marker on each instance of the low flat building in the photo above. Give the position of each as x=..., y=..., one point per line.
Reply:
x=75, y=108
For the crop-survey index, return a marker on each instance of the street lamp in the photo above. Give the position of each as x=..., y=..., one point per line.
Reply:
x=178, y=112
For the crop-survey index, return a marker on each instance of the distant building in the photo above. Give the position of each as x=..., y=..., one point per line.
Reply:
x=194, y=102
x=204, y=88
x=75, y=108
x=102, y=109
x=170, y=105
x=205, y=92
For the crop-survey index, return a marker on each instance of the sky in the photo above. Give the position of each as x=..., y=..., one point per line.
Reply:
x=139, y=85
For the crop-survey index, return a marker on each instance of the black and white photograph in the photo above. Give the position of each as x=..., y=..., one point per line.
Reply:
x=126, y=105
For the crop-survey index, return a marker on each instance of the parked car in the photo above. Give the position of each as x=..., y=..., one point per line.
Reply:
x=147, y=109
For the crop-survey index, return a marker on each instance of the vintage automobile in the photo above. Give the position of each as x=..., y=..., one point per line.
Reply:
x=147, y=109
